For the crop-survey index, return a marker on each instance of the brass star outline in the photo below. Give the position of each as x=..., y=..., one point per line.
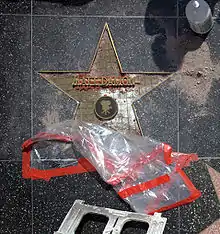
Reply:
x=62, y=80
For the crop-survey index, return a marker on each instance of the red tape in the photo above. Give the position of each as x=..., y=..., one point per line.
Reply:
x=144, y=186
x=167, y=149
x=194, y=194
x=28, y=172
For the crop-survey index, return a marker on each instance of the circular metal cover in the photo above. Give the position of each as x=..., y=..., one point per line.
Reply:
x=106, y=108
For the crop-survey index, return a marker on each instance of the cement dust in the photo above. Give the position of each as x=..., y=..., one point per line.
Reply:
x=51, y=117
x=197, y=75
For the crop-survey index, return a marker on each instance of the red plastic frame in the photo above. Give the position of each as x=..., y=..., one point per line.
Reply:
x=85, y=166
x=28, y=172
x=184, y=160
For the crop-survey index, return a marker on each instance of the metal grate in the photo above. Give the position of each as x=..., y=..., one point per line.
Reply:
x=117, y=219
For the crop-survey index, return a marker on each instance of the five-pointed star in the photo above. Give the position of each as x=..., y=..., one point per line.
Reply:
x=106, y=63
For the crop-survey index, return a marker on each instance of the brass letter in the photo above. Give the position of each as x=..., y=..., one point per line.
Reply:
x=110, y=81
x=91, y=81
x=131, y=81
x=104, y=81
x=125, y=81
x=118, y=81
x=75, y=81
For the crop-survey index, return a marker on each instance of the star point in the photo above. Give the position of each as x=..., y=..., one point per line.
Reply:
x=105, y=63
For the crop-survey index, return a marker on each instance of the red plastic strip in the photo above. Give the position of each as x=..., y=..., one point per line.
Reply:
x=144, y=159
x=183, y=160
x=144, y=186
x=166, y=149
x=45, y=136
x=194, y=194
x=167, y=154
x=27, y=172
x=188, y=182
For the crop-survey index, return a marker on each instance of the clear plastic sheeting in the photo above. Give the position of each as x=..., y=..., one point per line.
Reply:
x=144, y=172
x=50, y=154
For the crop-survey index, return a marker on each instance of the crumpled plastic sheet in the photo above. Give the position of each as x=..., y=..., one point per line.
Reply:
x=144, y=172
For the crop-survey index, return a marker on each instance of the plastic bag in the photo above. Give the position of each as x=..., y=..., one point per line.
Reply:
x=145, y=173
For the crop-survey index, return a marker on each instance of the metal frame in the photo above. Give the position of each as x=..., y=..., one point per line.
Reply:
x=117, y=219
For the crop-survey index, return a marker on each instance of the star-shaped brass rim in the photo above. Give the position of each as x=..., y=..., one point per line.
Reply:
x=49, y=75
